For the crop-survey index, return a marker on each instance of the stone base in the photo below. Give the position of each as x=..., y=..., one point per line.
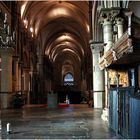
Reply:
x=6, y=100
x=104, y=115
x=98, y=99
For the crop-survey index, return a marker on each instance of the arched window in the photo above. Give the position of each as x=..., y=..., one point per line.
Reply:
x=68, y=79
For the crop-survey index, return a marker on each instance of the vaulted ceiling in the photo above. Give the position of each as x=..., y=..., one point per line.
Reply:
x=58, y=23
x=62, y=27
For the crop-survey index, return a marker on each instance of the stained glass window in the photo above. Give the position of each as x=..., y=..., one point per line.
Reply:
x=68, y=79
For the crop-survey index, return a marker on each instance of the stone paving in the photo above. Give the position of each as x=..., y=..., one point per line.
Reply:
x=73, y=122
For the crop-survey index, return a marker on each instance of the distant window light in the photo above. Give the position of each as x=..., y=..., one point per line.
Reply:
x=68, y=79
x=68, y=83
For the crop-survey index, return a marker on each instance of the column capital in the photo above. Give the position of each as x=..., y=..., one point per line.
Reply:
x=129, y=13
x=96, y=47
x=107, y=15
x=96, y=43
x=119, y=20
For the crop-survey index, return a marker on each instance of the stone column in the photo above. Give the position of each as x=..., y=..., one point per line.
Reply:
x=16, y=73
x=120, y=26
x=30, y=87
x=98, y=76
x=129, y=14
x=107, y=34
x=26, y=85
x=106, y=19
x=19, y=75
x=6, y=75
x=106, y=88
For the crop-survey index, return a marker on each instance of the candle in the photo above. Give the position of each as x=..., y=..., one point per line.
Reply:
x=8, y=127
x=8, y=30
x=7, y=39
x=14, y=35
x=5, y=26
x=11, y=38
x=5, y=19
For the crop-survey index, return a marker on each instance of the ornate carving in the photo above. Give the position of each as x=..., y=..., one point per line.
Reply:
x=106, y=63
x=119, y=20
x=96, y=47
x=114, y=54
x=123, y=77
x=130, y=49
x=108, y=15
x=5, y=38
x=121, y=47
x=105, y=17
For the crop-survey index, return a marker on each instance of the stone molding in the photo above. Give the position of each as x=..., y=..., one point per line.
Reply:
x=122, y=47
x=108, y=15
x=119, y=20
x=96, y=47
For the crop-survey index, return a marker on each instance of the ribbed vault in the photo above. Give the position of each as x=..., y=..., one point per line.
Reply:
x=62, y=28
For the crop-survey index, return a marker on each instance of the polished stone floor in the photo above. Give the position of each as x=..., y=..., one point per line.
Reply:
x=39, y=122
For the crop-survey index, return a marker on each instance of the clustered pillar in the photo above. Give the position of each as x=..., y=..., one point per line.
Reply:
x=107, y=24
x=108, y=19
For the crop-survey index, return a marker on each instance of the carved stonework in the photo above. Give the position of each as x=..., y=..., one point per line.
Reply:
x=108, y=14
x=114, y=54
x=6, y=39
x=123, y=45
x=96, y=47
x=123, y=78
x=120, y=48
x=119, y=20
